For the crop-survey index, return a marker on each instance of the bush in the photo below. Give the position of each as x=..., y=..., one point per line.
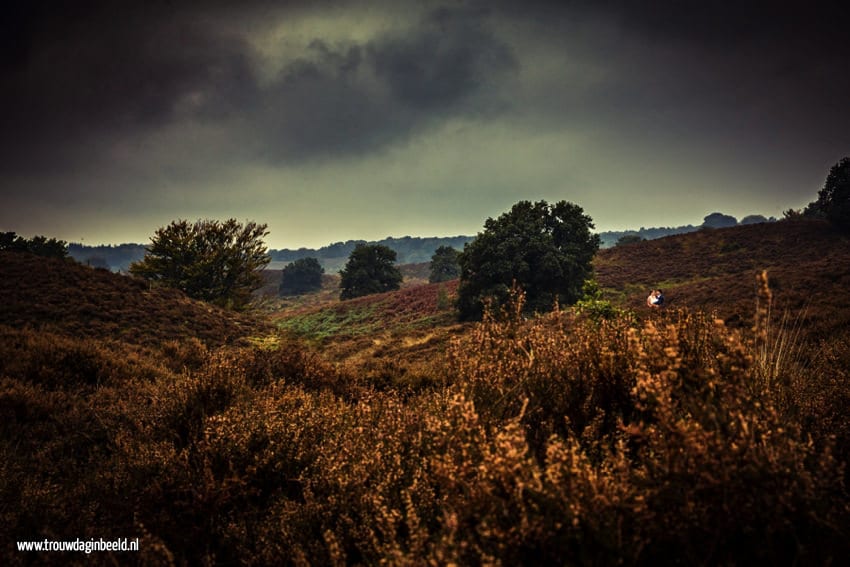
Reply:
x=545, y=440
x=301, y=276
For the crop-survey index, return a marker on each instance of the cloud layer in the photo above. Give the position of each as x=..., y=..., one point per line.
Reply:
x=127, y=114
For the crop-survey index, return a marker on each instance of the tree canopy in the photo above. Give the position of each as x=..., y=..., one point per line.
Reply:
x=544, y=249
x=719, y=220
x=301, y=276
x=444, y=265
x=754, y=219
x=38, y=245
x=209, y=260
x=370, y=269
x=834, y=198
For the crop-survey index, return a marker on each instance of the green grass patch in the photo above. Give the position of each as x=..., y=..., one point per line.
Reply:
x=327, y=323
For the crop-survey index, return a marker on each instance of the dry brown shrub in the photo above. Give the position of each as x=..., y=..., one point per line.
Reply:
x=706, y=464
x=540, y=441
x=58, y=361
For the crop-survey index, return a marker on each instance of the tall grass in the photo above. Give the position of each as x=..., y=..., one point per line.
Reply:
x=778, y=347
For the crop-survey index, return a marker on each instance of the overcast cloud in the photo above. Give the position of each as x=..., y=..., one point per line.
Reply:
x=333, y=120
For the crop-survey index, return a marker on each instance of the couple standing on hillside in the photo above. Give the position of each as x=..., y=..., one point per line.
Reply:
x=655, y=298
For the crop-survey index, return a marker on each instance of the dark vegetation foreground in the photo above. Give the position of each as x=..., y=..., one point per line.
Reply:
x=377, y=430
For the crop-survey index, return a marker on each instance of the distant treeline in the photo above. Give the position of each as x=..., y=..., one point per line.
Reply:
x=714, y=220
x=116, y=258
x=409, y=249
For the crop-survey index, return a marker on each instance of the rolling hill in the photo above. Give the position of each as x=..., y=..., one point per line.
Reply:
x=65, y=297
x=711, y=270
x=386, y=432
x=714, y=270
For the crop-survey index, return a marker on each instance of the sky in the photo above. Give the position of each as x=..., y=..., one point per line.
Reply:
x=331, y=120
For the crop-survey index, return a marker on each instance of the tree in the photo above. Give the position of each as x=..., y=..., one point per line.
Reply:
x=754, y=219
x=834, y=198
x=370, y=269
x=444, y=265
x=544, y=249
x=719, y=220
x=301, y=276
x=38, y=245
x=213, y=261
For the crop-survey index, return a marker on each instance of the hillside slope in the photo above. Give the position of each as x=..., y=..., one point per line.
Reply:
x=412, y=323
x=712, y=270
x=808, y=265
x=68, y=298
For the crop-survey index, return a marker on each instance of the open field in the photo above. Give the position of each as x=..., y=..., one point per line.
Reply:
x=379, y=430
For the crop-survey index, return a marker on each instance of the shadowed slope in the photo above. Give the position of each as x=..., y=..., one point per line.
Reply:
x=68, y=298
x=808, y=264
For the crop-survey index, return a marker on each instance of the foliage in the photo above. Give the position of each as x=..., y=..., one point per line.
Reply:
x=549, y=438
x=38, y=245
x=833, y=200
x=609, y=238
x=301, y=276
x=214, y=261
x=410, y=249
x=754, y=219
x=370, y=269
x=444, y=265
x=660, y=429
x=593, y=304
x=544, y=249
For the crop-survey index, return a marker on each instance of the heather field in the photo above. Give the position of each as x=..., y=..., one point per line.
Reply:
x=380, y=431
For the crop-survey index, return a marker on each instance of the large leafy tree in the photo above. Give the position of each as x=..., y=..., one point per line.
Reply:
x=834, y=198
x=301, y=276
x=444, y=265
x=544, y=249
x=370, y=269
x=214, y=261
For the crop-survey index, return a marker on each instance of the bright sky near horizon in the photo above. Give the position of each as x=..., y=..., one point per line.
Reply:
x=335, y=120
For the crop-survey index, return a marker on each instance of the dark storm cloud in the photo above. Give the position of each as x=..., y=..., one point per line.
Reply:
x=342, y=100
x=80, y=76
x=84, y=73
x=740, y=74
x=451, y=57
x=697, y=21
x=144, y=109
